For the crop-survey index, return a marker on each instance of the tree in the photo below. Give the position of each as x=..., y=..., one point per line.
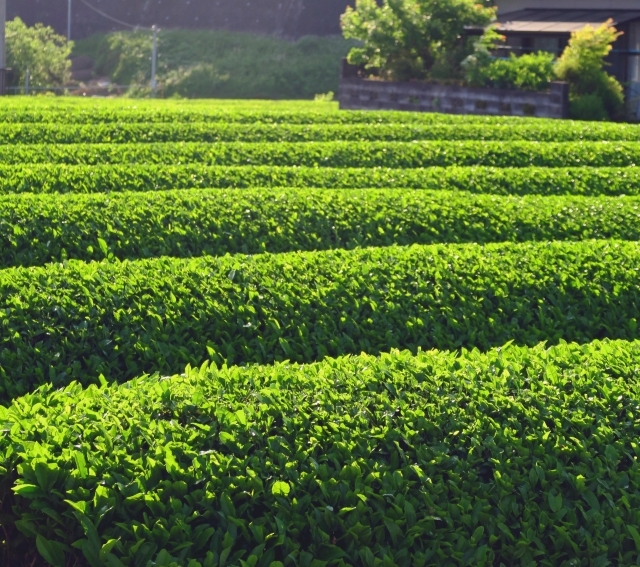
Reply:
x=414, y=39
x=593, y=93
x=40, y=50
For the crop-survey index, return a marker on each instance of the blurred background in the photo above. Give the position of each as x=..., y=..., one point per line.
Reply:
x=284, y=18
x=206, y=48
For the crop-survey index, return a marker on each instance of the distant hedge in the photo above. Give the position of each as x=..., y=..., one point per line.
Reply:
x=333, y=154
x=62, y=178
x=121, y=133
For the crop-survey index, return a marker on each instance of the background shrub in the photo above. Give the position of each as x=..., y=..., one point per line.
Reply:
x=219, y=64
x=582, y=65
x=588, y=107
x=41, y=51
x=414, y=39
x=529, y=72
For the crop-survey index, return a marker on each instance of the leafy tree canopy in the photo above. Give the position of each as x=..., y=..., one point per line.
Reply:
x=40, y=50
x=414, y=39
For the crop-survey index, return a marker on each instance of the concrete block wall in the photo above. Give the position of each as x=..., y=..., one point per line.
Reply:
x=369, y=94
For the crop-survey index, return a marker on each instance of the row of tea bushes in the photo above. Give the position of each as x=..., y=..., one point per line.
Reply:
x=154, y=113
x=60, y=178
x=260, y=132
x=75, y=321
x=36, y=229
x=333, y=154
x=511, y=457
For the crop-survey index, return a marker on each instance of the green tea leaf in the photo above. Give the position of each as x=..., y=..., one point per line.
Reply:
x=51, y=551
x=281, y=488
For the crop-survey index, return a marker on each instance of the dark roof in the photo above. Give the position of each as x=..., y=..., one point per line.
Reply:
x=561, y=21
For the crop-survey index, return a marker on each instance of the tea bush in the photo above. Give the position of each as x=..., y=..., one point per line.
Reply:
x=265, y=132
x=35, y=230
x=136, y=257
x=83, y=111
x=75, y=321
x=60, y=178
x=516, y=455
x=333, y=154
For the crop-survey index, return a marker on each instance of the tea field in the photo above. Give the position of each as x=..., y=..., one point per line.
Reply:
x=272, y=334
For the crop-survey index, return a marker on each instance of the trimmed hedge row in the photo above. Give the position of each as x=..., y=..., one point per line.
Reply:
x=75, y=321
x=60, y=178
x=257, y=132
x=36, y=229
x=162, y=114
x=334, y=154
x=517, y=456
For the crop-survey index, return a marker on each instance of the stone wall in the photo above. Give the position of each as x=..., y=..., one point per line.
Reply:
x=368, y=94
x=285, y=18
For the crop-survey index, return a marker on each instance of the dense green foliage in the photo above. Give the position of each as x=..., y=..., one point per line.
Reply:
x=35, y=230
x=595, y=95
x=414, y=39
x=220, y=64
x=334, y=154
x=532, y=72
x=264, y=132
x=510, y=457
x=45, y=178
x=82, y=111
x=40, y=51
x=409, y=40
x=309, y=242
x=77, y=321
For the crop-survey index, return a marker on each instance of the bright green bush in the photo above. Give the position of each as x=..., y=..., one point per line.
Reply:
x=75, y=321
x=506, y=458
x=333, y=154
x=532, y=72
x=46, y=178
x=70, y=111
x=35, y=230
x=582, y=65
x=52, y=133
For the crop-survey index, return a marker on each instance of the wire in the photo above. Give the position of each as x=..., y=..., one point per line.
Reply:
x=116, y=20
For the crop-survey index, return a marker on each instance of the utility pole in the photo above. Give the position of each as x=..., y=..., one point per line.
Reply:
x=68, y=22
x=3, y=55
x=27, y=82
x=154, y=59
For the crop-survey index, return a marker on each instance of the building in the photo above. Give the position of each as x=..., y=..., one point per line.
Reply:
x=541, y=25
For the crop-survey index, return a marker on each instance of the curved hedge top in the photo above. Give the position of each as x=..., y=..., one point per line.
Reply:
x=513, y=456
x=37, y=229
x=334, y=154
x=61, y=178
x=56, y=133
x=75, y=321
x=142, y=111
